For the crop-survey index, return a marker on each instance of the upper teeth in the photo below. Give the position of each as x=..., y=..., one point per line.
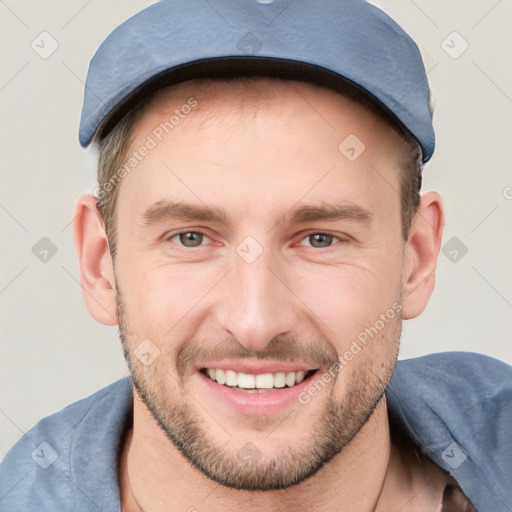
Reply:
x=261, y=381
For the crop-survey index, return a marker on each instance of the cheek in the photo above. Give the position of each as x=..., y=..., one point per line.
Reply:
x=349, y=298
x=161, y=300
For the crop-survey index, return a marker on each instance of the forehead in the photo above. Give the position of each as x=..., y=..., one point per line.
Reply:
x=270, y=141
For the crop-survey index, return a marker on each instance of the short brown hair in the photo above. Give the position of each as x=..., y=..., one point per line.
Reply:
x=114, y=145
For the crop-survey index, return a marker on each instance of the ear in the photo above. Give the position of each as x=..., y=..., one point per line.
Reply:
x=96, y=266
x=420, y=255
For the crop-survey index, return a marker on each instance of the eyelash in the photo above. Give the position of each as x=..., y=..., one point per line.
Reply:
x=169, y=238
x=307, y=235
x=326, y=233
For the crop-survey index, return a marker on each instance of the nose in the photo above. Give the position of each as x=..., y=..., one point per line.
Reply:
x=256, y=304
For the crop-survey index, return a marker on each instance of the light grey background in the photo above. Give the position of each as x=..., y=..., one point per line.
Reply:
x=53, y=352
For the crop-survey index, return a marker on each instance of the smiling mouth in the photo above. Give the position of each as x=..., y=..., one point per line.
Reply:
x=260, y=383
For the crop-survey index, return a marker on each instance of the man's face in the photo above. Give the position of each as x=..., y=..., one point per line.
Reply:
x=273, y=284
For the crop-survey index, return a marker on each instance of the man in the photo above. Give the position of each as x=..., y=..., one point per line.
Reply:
x=258, y=236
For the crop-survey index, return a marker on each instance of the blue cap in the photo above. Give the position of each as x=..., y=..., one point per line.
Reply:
x=177, y=40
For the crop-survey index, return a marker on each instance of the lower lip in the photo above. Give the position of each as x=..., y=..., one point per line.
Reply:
x=242, y=402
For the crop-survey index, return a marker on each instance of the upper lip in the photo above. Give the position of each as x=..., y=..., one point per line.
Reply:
x=257, y=367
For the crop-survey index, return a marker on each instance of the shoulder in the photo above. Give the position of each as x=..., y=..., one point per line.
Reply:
x=453, y=363
x=456, y=385
x=457, y=407
x=42, y=468
x=484, y=376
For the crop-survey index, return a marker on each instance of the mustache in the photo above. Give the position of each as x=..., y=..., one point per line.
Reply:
x=197, y=351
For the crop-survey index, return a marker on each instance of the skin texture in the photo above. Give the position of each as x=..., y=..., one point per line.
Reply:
x=257, y=153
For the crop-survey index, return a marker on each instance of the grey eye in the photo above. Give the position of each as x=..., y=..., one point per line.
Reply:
x=320, y=240
x=191, y=238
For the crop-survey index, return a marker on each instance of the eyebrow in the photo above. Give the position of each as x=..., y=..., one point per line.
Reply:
x=168, y=210
x=163, y=210
x=330, y=212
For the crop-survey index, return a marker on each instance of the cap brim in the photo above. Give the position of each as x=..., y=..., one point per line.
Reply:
x=225, y=67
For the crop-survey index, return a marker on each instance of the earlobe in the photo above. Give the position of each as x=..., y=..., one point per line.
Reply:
x=95, y=262
x=421, y=253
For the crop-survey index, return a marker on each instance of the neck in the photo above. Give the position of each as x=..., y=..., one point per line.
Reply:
x=154, y=475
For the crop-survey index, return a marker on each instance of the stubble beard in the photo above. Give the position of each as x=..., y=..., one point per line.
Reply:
x=183, y=421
